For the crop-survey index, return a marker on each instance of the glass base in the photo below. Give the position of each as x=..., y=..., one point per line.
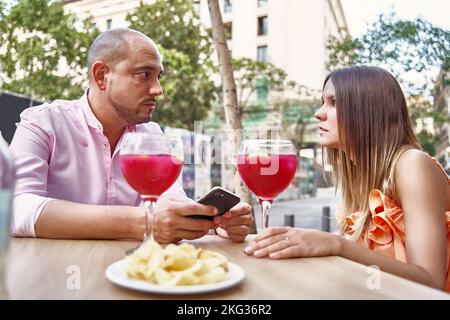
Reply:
x=130, y=251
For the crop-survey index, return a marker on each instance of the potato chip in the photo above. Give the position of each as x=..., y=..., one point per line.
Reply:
x=180, y=257
x=214, y=275
x=177, y=265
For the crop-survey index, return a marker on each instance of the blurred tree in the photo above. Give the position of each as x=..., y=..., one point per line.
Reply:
x=402, y=45
x=409, y=49
x=428, y=141
x=295, y=103
x=251, y=76
x=233, y=121
x=186, y=47
x=37, y=37
x=298, y=114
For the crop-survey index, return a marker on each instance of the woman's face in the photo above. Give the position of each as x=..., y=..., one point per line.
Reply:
x=328, y=126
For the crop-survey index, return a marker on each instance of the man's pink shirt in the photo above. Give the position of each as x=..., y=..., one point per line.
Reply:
x=60, y=152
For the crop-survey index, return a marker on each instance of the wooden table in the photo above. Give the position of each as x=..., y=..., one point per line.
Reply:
x=42, y=269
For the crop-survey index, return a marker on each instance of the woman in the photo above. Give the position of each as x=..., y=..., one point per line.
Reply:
x=396, y=199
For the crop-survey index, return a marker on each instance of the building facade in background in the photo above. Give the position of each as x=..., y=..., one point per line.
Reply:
x=291, y=34
x=107, y=14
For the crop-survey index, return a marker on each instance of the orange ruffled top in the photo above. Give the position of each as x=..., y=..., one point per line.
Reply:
x=386, y=232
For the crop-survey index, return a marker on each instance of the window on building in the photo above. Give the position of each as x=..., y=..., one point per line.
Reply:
x=262, y=3
x=261, y=55
x=228, y=30
x=262, y=89
x=262, y=26
x=108, y=24
x=197, y=7
x=227, y=6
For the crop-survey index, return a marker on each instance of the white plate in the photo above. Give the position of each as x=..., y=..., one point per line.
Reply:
x=116, y=273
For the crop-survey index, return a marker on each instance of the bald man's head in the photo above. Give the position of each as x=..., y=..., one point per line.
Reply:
x=112, y=46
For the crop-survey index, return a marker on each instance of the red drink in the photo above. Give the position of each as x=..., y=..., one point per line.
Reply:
x=267, y=175
x=150, y=174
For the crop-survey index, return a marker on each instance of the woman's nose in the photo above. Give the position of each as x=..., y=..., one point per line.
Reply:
x=320, y=114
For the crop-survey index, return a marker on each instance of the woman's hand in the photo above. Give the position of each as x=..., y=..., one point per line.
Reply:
x=283, y=242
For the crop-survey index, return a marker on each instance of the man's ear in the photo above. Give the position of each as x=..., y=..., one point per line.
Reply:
x=99, y=74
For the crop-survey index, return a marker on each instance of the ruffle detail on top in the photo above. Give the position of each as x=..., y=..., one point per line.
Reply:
x=386, y=232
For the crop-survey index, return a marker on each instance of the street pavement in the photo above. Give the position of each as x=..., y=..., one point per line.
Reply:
x=307, y=211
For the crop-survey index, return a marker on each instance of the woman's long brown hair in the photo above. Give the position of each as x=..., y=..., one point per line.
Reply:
x=374, y=130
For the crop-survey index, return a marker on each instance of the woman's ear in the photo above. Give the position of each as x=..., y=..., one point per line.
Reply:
x=99, y=73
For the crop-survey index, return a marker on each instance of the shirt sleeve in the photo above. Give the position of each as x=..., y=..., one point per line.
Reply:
x=30, y=148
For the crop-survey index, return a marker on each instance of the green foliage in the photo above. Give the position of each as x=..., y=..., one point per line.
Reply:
x=420, y=108
x=414, y=45
x=173, y=24
x=249, y=74
x=402, y=46
x=427, y=141
x=37, y=36
x=405, y=48
x=254, y=77
x=186, y=48
x=188, y=92
x=298, y=114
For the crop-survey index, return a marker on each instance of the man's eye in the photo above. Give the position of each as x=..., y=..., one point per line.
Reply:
x=145, y=75
x=333, y=102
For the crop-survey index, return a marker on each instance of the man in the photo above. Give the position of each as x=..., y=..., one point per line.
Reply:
x=69, y=183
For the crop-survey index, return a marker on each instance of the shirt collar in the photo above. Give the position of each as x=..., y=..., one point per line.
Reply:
x=91, y=119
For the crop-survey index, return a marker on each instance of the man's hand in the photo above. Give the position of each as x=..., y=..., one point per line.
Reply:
x=235, y=224
x=172, y=225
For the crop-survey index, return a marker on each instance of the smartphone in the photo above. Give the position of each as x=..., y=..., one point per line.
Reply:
x=220, y=198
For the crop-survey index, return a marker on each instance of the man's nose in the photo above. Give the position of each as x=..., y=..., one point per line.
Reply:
x=156, y=89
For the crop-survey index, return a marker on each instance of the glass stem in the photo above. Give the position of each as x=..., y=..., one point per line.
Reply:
x=149, y=215
x=265, y=208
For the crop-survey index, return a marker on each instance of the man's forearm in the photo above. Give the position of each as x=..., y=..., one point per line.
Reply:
x=69, y=220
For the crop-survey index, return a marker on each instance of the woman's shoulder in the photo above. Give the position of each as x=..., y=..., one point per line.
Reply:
x=415, y=162
x=418, y=173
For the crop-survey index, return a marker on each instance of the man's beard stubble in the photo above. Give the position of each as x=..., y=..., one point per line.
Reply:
x=125, y=113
